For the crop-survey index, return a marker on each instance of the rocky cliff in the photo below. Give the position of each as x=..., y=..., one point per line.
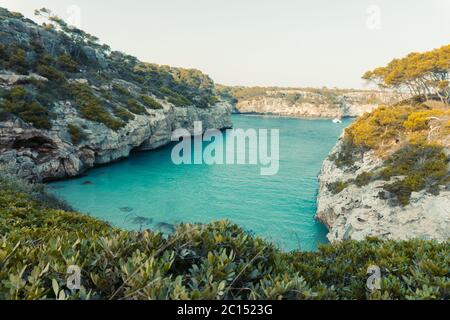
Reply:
x=400, y=190
x=309, y=103
x=49, y=154
x=68, y=103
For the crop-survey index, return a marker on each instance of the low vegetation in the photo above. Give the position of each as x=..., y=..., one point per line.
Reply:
x=20, y=102
x=76, y=133
x=92, y=108
x=41, y=237
x=151, y=103
x=78, y=67
x=337, y=186
x=135, y=107
x=421, y=166
x=410, y=138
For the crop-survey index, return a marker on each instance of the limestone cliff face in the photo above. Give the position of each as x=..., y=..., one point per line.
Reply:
x=68, y=102
x=358, y=212
x=315, y=104
x=48, y=154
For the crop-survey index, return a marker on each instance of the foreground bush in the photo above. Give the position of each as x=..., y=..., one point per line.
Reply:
x=214, y=261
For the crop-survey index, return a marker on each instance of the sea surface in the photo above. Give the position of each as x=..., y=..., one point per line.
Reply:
x=149, y=191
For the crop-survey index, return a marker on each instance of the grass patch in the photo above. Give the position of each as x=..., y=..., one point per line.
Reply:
x=363, y=179
x=124, y=114
x=135, y=107
x=91, y=108
x=151, y=103
x=422, y=166
x=21, y=103
x=76, y=133
x=337, y=186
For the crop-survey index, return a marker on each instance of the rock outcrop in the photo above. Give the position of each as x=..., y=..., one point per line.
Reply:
x=68, y=102
x=358, y=212
x=49, y=154
x=315, y=104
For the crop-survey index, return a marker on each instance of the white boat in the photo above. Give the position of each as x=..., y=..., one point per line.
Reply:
x=336, y=120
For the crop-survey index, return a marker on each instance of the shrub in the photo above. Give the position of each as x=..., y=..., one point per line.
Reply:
x=378, y=128
x=421, y=166
x=91, y=107
x=51, y=73
x=207, y=101
x=76, y=133
x=18, y=60
x=123, y=114
x=151, y=103
x=347, y=156
x=419, y=120
x=175, y=98
x=136, y=107
x=121, y=90
x=363, y=179
x=3, y=53
x=23, y=105
x=337, y=186
x=66, y=63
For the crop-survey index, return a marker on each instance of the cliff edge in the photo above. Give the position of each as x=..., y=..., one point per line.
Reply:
x=68, y=102
x=388, y=176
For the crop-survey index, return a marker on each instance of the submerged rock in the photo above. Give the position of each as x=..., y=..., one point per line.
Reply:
x=86, y=183
x=165, y=227
x=141, y=220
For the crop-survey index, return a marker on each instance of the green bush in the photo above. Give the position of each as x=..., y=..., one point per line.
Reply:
x=422, y=166
x=4, y=57
x=121, y=90
x=214, y=261
x=76, y=133
x=337, y=186
x=347, y=156
x=364, y=179
x=123, y=114
x=91, y=108
x=151, y=103
x=66, y=63
x=206, y=102
x=18, y=60
x=175, y=98
x=51, y=73
x=20, y=103
x=135, y=107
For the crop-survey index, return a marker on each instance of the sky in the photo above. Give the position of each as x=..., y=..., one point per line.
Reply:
x=292, y=43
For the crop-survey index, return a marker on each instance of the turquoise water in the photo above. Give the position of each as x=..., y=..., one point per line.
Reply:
x=148, y=191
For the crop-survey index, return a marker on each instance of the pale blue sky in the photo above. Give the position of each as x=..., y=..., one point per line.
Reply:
x=260, y=42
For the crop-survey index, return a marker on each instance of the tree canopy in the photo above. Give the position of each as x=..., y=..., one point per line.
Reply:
x=422, y=74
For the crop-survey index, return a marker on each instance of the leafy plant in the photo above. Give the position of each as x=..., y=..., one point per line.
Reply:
x=76, y=133
x=91, y=107
x=151, y=103
x=337, y=186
